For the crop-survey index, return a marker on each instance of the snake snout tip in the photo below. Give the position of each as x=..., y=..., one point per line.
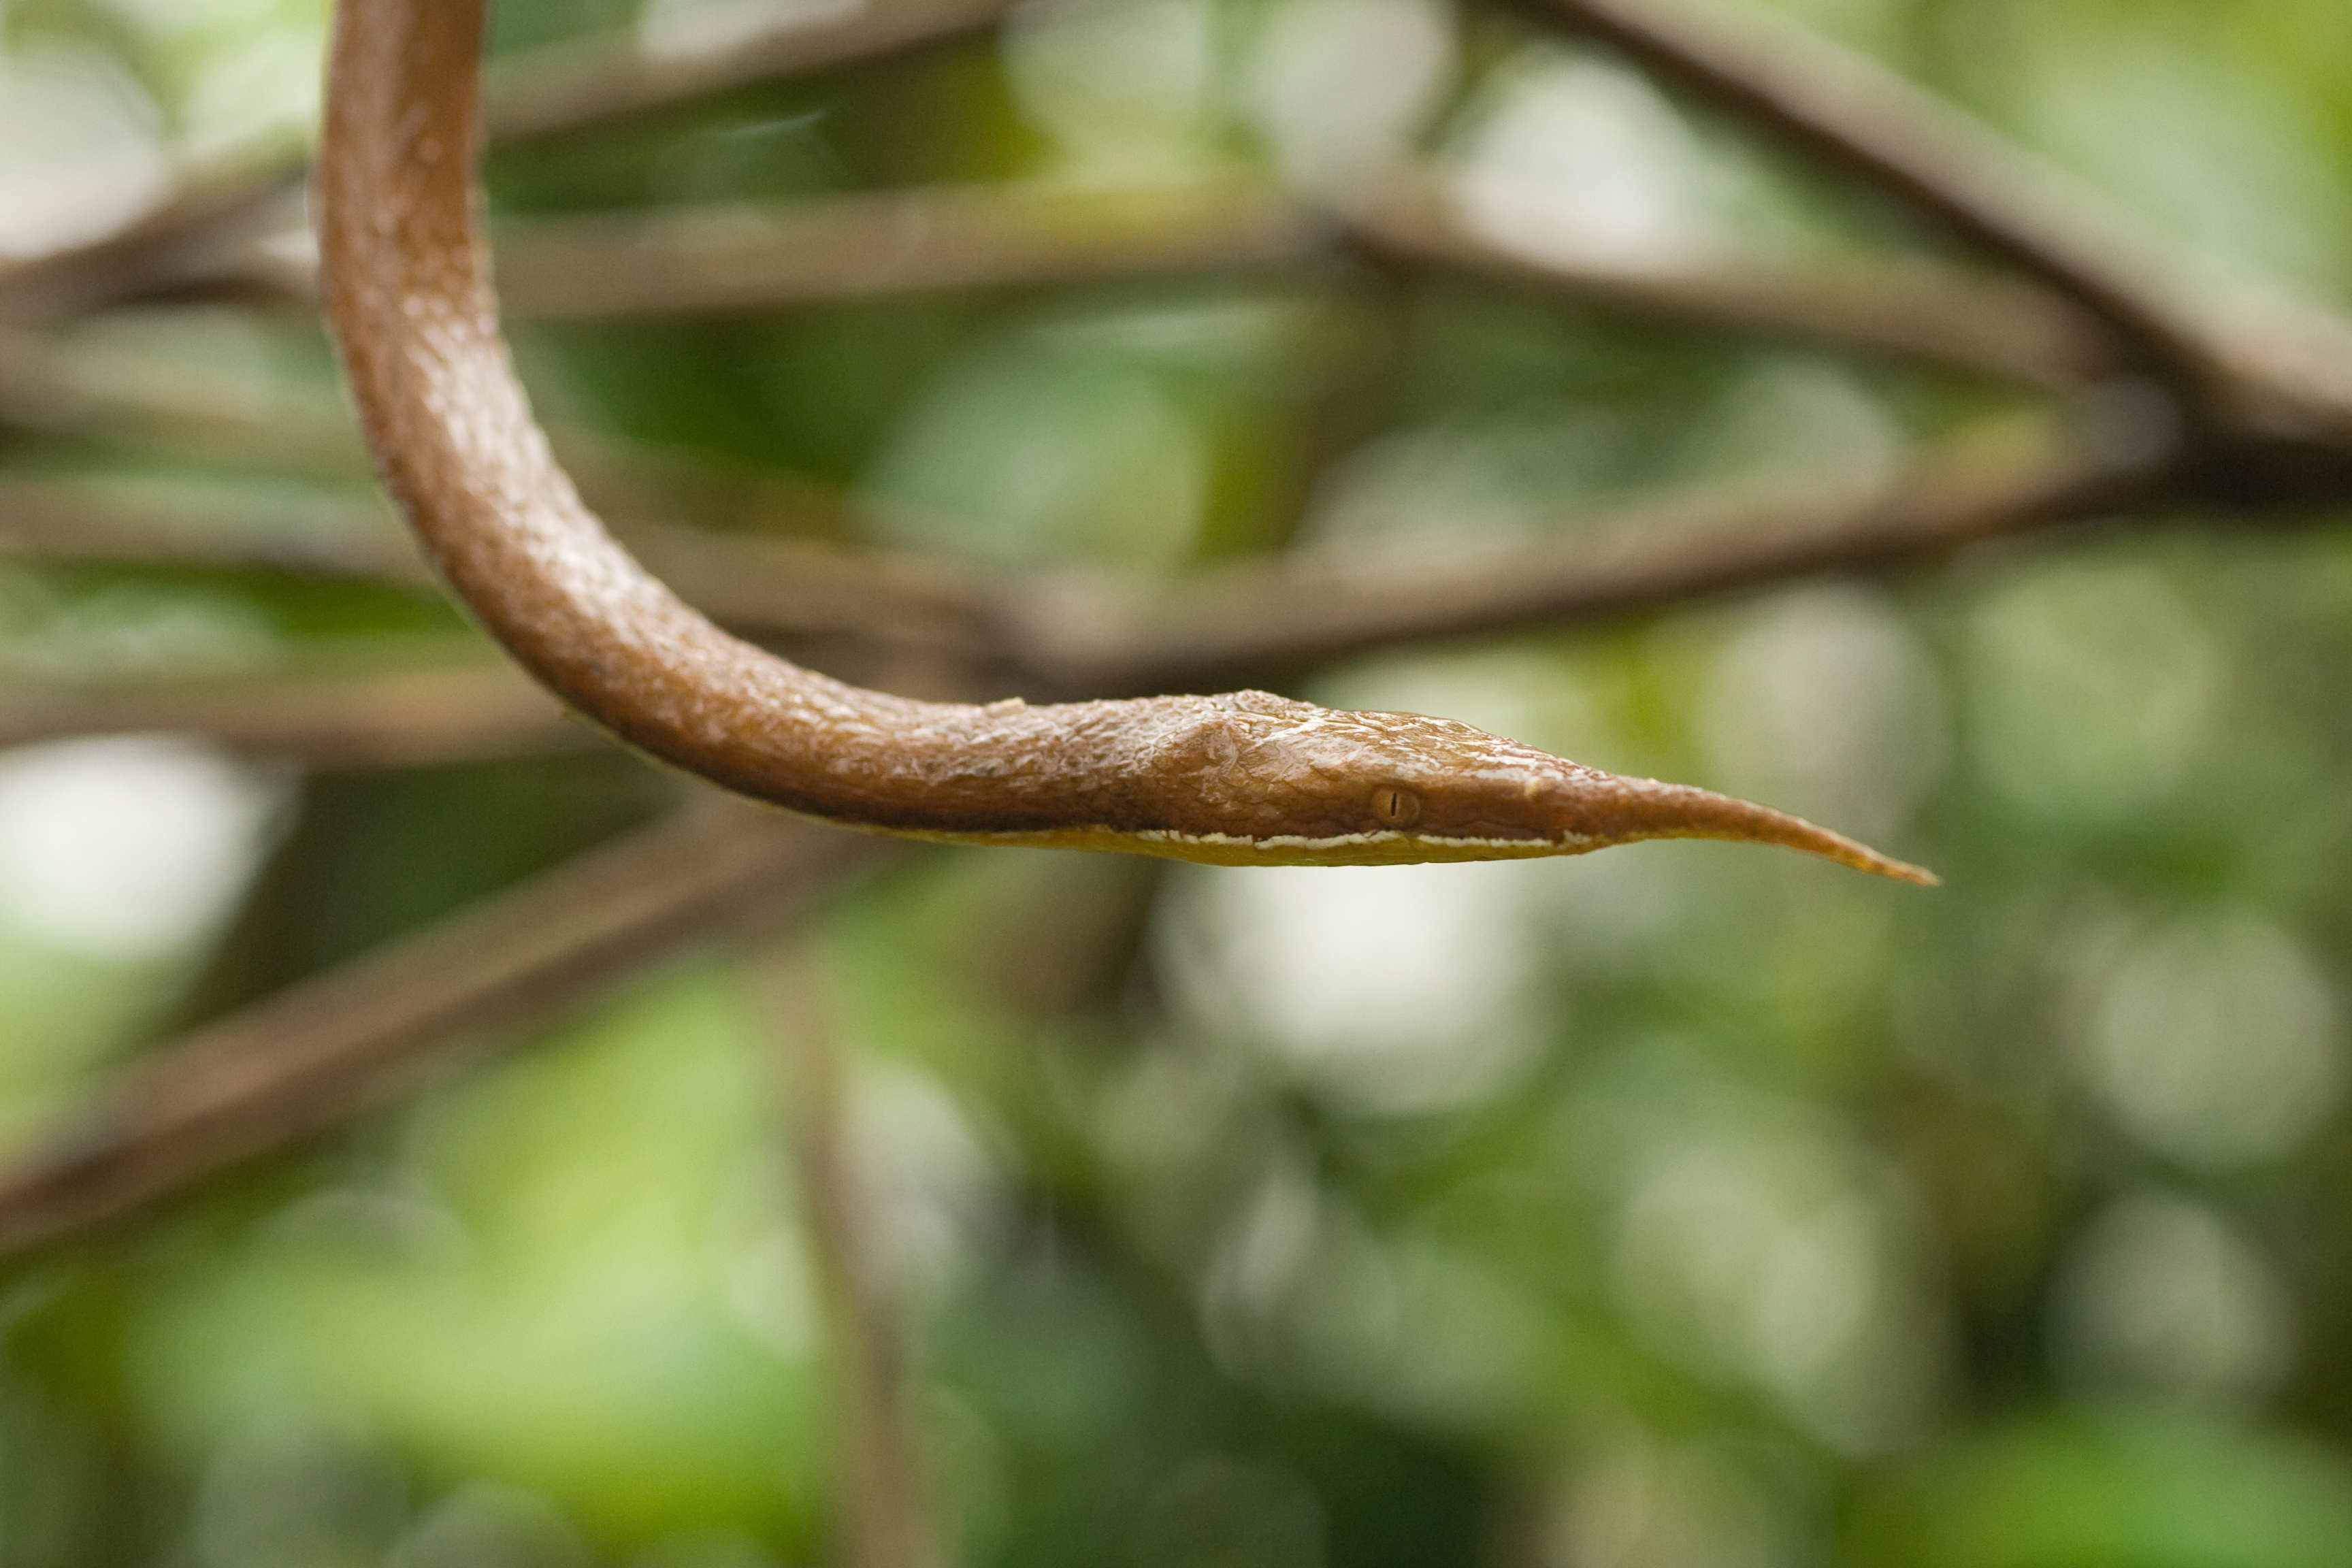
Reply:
x=1863, y=857
x=1904, y=872
x=1686, y=811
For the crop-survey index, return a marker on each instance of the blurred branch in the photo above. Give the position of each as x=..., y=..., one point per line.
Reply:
x=793, y=587
x=323, y=1048
x=232, y=233
x=888, y=1522
x=758, y=584
x=737, y=568
x=57, y=384
x=194, y=238
x=2266, y=388
x=568, y=87
x=1080, y=634
x=1257, y=621
x=59, y=387
x=747, y=255
x=1860, y=117
x=764, y=256
x=402, y=718
x=145, y=522
x=1913, y=308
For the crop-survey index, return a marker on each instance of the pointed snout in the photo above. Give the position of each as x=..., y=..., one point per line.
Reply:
x=1586, y=809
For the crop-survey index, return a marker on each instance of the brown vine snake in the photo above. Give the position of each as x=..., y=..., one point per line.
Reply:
x=1246, y=778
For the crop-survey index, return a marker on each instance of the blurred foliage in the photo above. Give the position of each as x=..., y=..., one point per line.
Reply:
x=1684, y=1207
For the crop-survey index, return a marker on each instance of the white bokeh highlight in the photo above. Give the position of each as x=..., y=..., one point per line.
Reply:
x=1822, y=703
x=2091, y=687
x=1339, y=87
x=129, y=848
x=935, y=1197
x=80, y=152
x=2213, y=1040
x=1576, y=159
x=266, y=89
x=1386, y=988
x=2160, y=1297
x=1777, y=1261
x=1126, y=90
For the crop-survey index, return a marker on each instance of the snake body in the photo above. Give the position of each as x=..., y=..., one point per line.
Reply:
x=1247, y=777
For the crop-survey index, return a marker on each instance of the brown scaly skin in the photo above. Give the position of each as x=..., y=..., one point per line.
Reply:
x=1245, y=778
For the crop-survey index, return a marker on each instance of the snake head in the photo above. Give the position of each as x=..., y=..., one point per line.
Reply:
x=1253, y=778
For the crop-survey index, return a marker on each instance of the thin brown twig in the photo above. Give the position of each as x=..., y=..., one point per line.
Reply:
x=1259, y=622
x=797, y=588
x=1079, y=635
x=151, y=523
x=303, y=1059
x=758, y=582
x=887, y=1523
x=128, y=393
x=750, y=255
x=399, y=718
x=57, y=385
x=221, y=234
x=1865, y=119
x=757, y=257
x=1914, y=308
x=192, y=238
x=745, y=566
x=2266, y=386
x=765, y=256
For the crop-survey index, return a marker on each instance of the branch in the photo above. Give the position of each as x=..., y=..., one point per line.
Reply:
x=315, y=1053
x=761, y=255
x=2268, y=389
x=1857, y=115
x=60, y=387
x=888, y=1522
x=158, y=524
x=738, y=569
x=776, y=587
x=1255, y=622
x=1080, y=634
x=206, y=237
x=397, y=719
x=750, y=255
x=793, y=588
x=193, y=238
x=57, y=385
x=1916, y=310
x=745, y=255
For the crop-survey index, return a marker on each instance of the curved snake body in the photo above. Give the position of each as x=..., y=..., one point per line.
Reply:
x=1243, y=778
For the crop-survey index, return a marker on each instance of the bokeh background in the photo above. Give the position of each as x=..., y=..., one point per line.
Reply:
x=1683, y=1206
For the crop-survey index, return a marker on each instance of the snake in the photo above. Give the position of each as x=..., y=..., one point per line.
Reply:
x=1237, y=778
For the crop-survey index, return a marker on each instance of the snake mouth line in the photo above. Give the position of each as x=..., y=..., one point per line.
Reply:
x=1389, y=847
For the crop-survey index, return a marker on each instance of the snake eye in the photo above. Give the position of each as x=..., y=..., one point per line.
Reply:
x=1395, y=806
